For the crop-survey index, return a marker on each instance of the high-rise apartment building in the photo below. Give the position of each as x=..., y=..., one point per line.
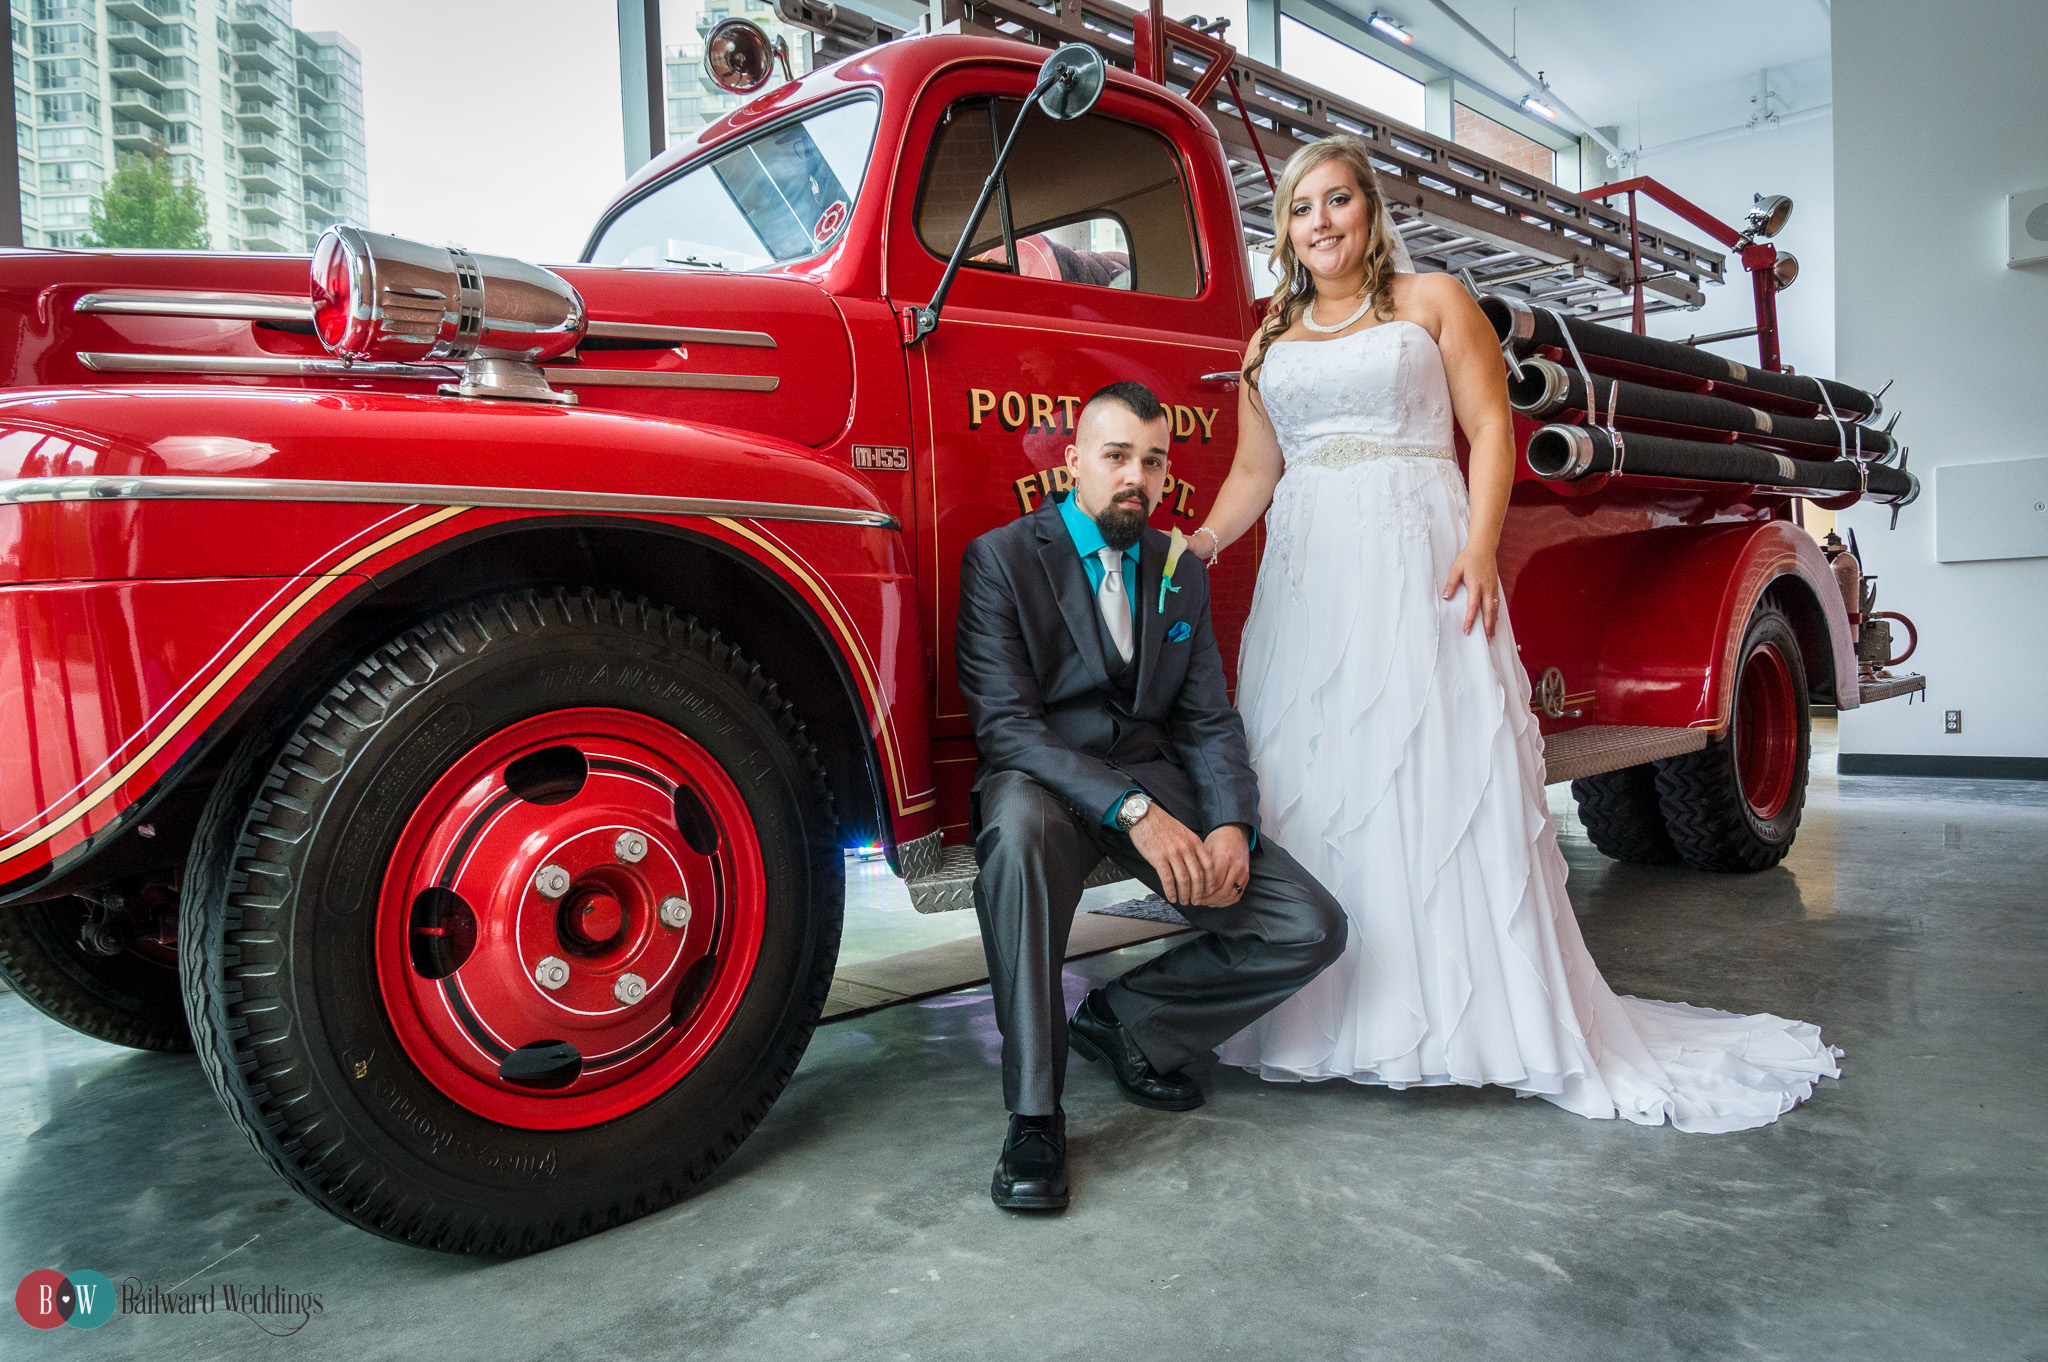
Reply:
x=693, y=101
x=266, y=120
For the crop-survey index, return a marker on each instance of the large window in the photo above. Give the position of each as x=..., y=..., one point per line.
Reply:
x=1095, y=201
x=1344, y=70
x=782, y=196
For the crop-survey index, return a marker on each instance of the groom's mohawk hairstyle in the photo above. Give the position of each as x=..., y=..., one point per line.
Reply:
x=1132, y=396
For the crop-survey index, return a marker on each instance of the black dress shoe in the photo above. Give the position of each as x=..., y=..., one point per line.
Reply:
x=1032, y=1174
x=1095, y=1033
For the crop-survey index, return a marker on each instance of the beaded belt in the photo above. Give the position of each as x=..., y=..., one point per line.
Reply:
x=1342, y=451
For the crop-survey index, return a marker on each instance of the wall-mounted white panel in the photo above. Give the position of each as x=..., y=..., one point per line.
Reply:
x=1991, y=510
x=2026, y=228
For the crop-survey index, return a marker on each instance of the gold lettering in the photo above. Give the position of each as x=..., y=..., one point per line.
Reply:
x=1180, y=502
x=1062, y=479
x=1027, y=493
x=1183, y=422
x=980, y=402
x=1068, y=406
x=1041, y=413
x=1207, y=416
x=1004, y=414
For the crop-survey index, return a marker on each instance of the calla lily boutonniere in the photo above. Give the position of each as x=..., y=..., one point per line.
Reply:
x=1175, y=546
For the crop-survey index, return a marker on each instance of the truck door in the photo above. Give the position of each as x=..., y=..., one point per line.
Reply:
x=1089, y=269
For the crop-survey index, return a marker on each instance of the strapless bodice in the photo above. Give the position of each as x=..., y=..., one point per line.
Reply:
x=1370, y=393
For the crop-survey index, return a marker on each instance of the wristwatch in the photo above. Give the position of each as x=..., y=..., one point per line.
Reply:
x=1134, y=807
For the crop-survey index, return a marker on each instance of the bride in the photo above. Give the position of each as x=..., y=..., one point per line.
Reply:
x=1396, y=753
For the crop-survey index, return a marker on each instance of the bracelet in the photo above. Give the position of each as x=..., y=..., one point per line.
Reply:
x=1215, y=539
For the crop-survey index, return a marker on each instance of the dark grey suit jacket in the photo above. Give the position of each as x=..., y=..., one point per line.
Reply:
x=1033, y=666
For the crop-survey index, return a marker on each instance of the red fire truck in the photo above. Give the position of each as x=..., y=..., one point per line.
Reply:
x=443, y=697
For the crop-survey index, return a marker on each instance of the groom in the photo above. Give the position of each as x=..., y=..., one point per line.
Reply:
x=1105, y=729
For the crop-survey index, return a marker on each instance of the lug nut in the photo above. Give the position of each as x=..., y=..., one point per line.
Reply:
x=675, y=912
x=552, y=972
x=630, y=989
x=551, y=881
x=631, y=848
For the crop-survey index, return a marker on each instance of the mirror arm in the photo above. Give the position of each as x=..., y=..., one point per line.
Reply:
x=925, y=320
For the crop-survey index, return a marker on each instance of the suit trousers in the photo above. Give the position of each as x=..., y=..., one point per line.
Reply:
x=1035, y=851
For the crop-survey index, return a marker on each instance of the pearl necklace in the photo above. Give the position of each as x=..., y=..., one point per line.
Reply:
x=1308, y=318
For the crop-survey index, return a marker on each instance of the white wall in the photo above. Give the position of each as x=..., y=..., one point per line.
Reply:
x=1941, y=111
x=1696, y=141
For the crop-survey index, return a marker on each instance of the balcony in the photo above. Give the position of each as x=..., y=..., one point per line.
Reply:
x=139, y=105
x=53, y=76
x=259, y=146
x=260, y=53
x=140, y=72
x=323, y=176
x=320, y=87
x=65, y=12
x=259, y=117
x=264, y=237
x=257, y=21
x=134, y=136
x=264, y=207
x=319, y=118
x=262, y=177
x=148, y=11
x=253, y=84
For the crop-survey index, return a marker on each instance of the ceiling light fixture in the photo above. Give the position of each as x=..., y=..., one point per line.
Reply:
x=1390, y=28
x=1538, y=107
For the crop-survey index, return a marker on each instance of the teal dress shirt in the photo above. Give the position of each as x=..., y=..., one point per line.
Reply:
x=1089, y=543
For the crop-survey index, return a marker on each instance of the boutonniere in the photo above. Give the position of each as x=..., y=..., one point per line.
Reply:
x=1175, y=546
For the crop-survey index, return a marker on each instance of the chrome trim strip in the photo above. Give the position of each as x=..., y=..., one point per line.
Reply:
x=680, y=335
x=576, y=377
x=286, y=366
x=30, y=491
x=264, y=307
x=264, y=366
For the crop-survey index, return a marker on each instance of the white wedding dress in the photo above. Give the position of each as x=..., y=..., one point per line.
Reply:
x=1399, y=762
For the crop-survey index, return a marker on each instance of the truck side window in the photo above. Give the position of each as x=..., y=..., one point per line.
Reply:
x=1094, y=201
x=781, y=196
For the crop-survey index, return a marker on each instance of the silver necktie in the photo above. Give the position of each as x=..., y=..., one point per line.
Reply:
x=1116, y=606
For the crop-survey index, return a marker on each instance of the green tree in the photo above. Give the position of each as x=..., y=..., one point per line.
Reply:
x=144, y=206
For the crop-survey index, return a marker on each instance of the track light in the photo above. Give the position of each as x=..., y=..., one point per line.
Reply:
x=1389, y=27
x=1538, y=107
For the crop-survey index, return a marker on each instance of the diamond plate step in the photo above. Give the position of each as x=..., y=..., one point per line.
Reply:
x=1588, y=751
x=1891, y=687
x=950, y=886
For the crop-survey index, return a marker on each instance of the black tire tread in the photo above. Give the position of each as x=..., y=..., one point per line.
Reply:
x=63, y=987
x=232, y=1030
x=1622, y=818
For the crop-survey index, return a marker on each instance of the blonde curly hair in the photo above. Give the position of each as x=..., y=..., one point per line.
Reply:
x=1297, y=287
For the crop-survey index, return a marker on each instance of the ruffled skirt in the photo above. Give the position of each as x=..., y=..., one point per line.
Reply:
x=1399, y=762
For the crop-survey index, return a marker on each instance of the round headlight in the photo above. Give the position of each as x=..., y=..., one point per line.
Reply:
x=379, y=297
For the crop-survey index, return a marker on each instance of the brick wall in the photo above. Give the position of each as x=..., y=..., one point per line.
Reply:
x=1502, y=143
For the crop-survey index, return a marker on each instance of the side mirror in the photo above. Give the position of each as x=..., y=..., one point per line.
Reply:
x=739, y=57
x=1068, y=85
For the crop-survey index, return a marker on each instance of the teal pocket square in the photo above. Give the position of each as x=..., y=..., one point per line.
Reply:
x=1179, y=633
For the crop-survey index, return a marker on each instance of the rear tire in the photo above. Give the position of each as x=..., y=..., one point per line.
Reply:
x=126, y=999
x=1623, y=816
x=1735, y=804
x=371, y=950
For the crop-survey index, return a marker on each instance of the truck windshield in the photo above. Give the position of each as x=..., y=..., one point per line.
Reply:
x=782, y=196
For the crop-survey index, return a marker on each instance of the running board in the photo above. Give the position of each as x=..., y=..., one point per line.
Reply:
x=1596, y=748
x=1891, y=687
x=949, y=885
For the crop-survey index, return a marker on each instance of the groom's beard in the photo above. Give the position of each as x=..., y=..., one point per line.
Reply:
x=1120, y=523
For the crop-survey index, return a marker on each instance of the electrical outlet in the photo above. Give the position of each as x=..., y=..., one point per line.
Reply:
x=1951, y=721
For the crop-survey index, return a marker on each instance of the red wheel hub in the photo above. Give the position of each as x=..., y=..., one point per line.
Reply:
x=1766, y=730
x=553, y=949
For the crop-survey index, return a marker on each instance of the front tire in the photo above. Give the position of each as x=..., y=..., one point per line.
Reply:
x=1735, y=804
x=523, y=930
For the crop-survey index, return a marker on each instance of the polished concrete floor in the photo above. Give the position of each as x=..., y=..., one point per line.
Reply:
x=1903, y=1213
